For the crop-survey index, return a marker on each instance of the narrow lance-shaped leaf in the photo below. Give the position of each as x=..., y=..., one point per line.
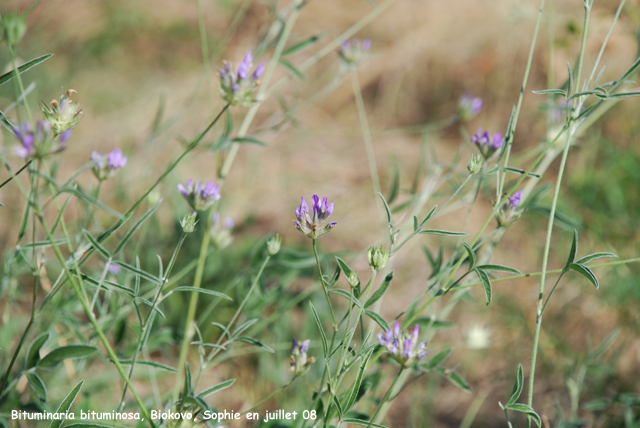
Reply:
x=586, y=272
x=471, y=254
x=380, y=291
x=219, y=387
x=573, y=251
x=486, y=284
x=70, y=351
x=500, y=268
x=523, y=408
x=66, y=405
x=37, y=385
x=517, y=386
x=24, y=67
x=353, y=394
x=378, y=319
x=325, y=347
x=587, y=259
x=386, y=207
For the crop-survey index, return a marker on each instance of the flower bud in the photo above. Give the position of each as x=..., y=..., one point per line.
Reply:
x=189, y=222
x=469, y=107
x=352, y=279
x=378, y=257
x=220, y=231
x=300, y=363
x=475, y=164
x=273, y=245
x=12, y=27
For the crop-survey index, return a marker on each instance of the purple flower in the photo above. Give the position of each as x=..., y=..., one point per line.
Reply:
x=38, y=142
x=487, y=144
x=114, y=268
x=469, y=107
x=299, y=362
x=220, y=231
x=514, y=199
x=315, y=225
x=200, y=196
x=107, y=165
x=403, y=346
x=235, y=86
x=354, y=52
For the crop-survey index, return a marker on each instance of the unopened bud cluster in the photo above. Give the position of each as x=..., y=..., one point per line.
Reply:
x=300, y=363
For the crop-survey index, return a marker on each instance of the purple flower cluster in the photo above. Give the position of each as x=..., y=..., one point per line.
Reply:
x=469, y=107
x=486, y=144
x=39, y=142
x=403, y=346
x=238, y=87
x=508, y=212
x=200, y=196
x=300, y=363
x=107, y=165
x=353, y=52
x=314, y=225
x=220, y=230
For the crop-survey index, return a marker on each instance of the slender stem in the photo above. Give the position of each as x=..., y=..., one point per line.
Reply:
x=191, y=312
x=22, y=168
x=324, y=286
x=322, y=378
x=205, y=51
x=12, y=53
x=366, y=133
x=148, y=323
x=386, y=396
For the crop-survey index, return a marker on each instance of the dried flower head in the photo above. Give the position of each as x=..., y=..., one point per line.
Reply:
x=402, y=345
x=300, y=363
x=107, y=165
x=314, y=225
x=469, y=107
x=508, y=212
x=200, y=196
x=39, y=142
x=63, y=114
x=354, y=52
x=238, y=88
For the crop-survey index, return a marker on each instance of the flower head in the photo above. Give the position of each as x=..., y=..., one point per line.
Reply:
x=487, y=144
x=300, y=363
x=469, y=107
x=403, y=345
x=354, y=52
x=238, y=87
x=189, y=222
x=39, y=142
x=508, y=212
x=220, y=230
x=199, y=195
x=377, y=257
x=314, y=224
x=63, y=114
x=107, y=165
x=475, y=165
x=114, y=268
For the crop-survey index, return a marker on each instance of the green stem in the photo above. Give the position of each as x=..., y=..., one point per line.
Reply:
x=324, y=286
x=12, y=53
x=386, y=396
x=191, y=312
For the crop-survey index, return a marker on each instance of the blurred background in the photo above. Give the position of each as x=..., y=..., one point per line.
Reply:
x=130, y=59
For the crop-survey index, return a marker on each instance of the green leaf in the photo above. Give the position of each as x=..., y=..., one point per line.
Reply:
x=345, y=295
x=292, y=69
x=520, y=171
x=471, y=254
x=429, y=322
x=586, y=272
x=203, y=291
x=439, y=358
x=606, y=343
x=344, y=267
x=596, y=405
x=90, y=199
x=142, y=273
x=215, y=388
x=380, y=291
x=455, y=378
x=573, y=251
x=517, y=387
x=302, y=44
x=395, y=186
x=135, y=227
x=62, y=353
x=37, y=385
x=486, y=283
x=6, y=122
x=249, y=140
x=378, y=319
x=151, y=364
x=108, y=284
x=66, y=405
x=427, y=217
x=33, y=353
x=386, y=207
x=252, y=341
x=551, y=91
x=587, y=259
x=24, y=67
x=351, y=399
x=336, y=401
x=499, y=268
x=443, y=232
x=362, y=422
x=325, y=347
x=523, y=408
x=623, y=95
x=99, y=248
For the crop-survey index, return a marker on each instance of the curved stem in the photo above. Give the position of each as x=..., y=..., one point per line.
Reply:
x=386, y=397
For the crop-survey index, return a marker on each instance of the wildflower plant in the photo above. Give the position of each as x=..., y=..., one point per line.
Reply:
x=101, y=306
